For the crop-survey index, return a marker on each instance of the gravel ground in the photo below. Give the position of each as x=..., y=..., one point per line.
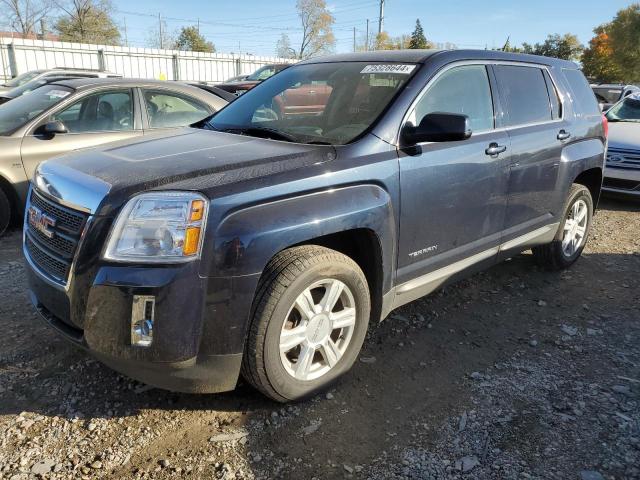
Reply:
x=514, y=373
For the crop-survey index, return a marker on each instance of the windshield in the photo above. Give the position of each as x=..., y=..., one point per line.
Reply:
x=27, y=87
x=329, y=103
x=19, y=111
x=628, y=110
x=607, y=95
x=262, y=73
x=22, y=79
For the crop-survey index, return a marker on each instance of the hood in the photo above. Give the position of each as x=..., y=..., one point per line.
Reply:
x=190, y=159
x=241, y=85
x=624, y=135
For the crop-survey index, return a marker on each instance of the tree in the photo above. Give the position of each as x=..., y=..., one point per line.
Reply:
x=159, y=36
x=317, y=32
x=385, y=42
x=25, y=15
x=418, y=40
x=88, y=21
x=597, y=59
x=624, y=33
x=284, y=48
x=191, y=40
x=566, y=46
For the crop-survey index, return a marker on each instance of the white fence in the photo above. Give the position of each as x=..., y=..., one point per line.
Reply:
x=18, y=56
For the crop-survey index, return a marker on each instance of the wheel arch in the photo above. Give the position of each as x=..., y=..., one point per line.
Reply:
x=592, y=179
x=14, y=200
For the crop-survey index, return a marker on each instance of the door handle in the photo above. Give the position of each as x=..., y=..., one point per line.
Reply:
x=563, y=135
x=495, y=149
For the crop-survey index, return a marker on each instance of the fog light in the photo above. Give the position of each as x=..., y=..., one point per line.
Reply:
x=142, y=313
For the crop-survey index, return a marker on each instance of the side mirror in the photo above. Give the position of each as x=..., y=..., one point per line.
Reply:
x=52, y=129
x=437, y=127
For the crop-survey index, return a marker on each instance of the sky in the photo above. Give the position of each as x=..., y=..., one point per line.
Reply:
x=254, y=26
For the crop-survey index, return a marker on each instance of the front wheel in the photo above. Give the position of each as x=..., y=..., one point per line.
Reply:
x=310, y=317
x=571, y=238
x=5, y=212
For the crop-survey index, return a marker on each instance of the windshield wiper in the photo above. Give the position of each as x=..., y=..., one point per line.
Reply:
x=263, y=132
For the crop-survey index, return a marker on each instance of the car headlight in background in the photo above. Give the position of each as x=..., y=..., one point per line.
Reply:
x=159, y=227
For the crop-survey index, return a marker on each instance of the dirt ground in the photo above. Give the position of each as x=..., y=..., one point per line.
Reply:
x=515, y=373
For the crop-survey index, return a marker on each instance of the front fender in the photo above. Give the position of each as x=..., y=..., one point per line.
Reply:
x=247, y=239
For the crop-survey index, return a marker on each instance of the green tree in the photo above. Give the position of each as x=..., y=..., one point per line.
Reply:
x=597, y=59
x=566, y=46
x=88, y=21
x=191, y=40
x=624, y=34
x=418, y=40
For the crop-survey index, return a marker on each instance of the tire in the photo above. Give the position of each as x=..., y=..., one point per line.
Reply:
x=5, y=211
x=295, y=277
x=557, y=255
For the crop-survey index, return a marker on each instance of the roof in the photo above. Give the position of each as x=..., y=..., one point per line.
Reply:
x=81, y=83
x=422, y=56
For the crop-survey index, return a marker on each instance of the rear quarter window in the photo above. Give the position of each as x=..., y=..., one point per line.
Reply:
x=584, y=100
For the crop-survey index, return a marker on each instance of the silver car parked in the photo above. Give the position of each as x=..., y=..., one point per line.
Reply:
x=622, y=171
x=81, y=113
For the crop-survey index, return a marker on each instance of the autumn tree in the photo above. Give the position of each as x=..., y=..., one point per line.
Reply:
x=624, y=37
x=597, y=59
x=191, y=40
x=317, y=32
x=418, y=40
x=88, y=21
x=384, y=41
x=24, y=16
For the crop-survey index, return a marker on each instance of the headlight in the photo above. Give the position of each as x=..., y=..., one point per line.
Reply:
x=159, y=227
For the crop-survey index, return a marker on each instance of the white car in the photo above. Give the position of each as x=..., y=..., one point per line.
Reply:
x=622, y=171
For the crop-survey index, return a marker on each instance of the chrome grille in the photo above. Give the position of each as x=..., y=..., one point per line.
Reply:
x=621, y=158
x=52, y=251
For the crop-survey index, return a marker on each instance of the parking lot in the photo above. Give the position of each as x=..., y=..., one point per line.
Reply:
x=515, y=373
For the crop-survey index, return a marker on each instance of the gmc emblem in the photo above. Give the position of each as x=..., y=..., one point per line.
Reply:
x=41, y=221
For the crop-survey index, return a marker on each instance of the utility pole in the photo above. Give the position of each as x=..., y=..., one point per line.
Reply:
x=198, y=25
x=126, y=38
x=366, y=42
x=160, y=31
x=354, y=39
x=381, y=18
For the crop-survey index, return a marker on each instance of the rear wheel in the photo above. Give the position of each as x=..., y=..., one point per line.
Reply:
x=572, y=234
x=309, y=322
x=5, y=211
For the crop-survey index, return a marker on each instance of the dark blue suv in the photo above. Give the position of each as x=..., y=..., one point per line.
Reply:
x=265, y=239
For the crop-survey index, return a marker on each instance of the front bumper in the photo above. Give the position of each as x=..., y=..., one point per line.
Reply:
x=183, y=356
x=623, y=181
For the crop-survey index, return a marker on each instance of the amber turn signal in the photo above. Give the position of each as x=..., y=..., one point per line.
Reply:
x=191, y=241
x=197, y=210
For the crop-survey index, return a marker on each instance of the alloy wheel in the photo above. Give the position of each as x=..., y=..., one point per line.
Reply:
x=575, y=228
x=318, y=329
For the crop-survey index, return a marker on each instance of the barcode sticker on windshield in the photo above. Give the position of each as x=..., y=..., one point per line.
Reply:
x=389, y=68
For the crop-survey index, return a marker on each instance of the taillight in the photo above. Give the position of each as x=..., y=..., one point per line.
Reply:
x=605, y=125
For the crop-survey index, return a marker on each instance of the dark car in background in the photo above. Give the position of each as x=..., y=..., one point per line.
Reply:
x=74, y=114
x=263, y=240
x=608, y=93
x=53, y=72
x=238, y=87
x=31, y=86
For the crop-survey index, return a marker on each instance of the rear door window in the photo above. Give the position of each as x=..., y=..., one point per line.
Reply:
x=524, y=90
x=168, y=109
